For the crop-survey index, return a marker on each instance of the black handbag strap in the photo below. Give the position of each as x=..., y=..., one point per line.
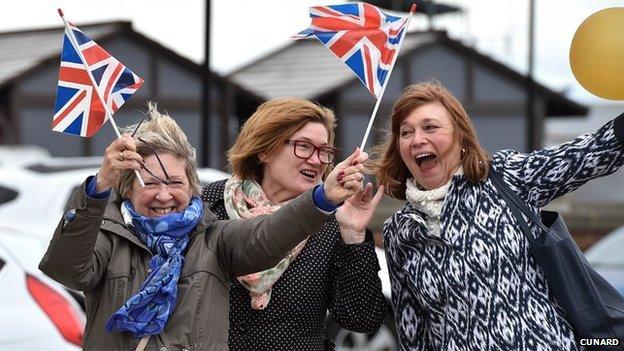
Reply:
x=517, y=206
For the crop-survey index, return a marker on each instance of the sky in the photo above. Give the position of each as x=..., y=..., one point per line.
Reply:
x=243, y=30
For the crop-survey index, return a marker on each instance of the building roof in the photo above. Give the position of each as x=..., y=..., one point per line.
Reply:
x=20, y=51
x=313, y=71
x=26, y=51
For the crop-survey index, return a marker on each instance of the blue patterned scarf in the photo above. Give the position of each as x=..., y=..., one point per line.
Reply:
x=147, y=311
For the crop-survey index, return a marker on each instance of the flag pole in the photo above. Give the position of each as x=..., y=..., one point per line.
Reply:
x=108, y=113
x=383, y=88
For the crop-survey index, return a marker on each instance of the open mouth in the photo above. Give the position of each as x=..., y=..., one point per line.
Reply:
x=308, y=173
x=426, y=160
x=162, y=210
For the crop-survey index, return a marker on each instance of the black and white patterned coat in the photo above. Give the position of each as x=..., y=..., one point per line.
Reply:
x=476, y=285
x=327, y=275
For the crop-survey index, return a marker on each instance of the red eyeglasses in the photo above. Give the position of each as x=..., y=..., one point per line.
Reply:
x=305, y=149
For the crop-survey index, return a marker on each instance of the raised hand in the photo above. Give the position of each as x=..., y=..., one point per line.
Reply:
x=119, y=155
x=356, y=212
x=345, y=180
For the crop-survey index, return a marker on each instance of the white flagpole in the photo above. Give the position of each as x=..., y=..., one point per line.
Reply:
x=74, y=43
x=383, y=88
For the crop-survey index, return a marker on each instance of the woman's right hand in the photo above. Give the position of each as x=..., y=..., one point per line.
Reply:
x=119, y=155
x=345, y=180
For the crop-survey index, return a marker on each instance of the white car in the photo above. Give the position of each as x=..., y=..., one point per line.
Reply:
x=38, y=198
x=33, y=198
x=36, y=313
x=607, y=258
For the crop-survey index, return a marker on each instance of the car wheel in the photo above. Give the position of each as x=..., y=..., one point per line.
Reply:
x=384, y=340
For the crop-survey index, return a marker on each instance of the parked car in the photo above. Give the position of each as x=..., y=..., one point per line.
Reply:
x=607, y=258
x=36, y=313
x=37, y=197
x=34, y=197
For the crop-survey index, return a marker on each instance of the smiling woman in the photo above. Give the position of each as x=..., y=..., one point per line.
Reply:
x=460, y=266
x=153, y=261
x=285, y=149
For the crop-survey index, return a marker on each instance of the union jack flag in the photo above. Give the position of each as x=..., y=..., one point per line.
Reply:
x=362, y=36
x=78, y=109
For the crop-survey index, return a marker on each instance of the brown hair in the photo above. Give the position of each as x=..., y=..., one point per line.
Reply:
x=389, y=167
x=165, y=136
x=268, y=129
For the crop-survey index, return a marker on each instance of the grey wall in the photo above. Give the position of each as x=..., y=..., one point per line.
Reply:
x=498, y=132
x=439, y=62
x=176, y=89
x=494, y=102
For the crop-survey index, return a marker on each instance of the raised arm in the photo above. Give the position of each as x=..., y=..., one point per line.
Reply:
x=247, y=246
x=545, y=174
x=78, y=255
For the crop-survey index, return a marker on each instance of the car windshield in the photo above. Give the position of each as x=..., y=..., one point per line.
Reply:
x=609, y=251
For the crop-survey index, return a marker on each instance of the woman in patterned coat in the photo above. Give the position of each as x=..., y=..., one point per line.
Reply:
x=283, y=150
x=462, y=273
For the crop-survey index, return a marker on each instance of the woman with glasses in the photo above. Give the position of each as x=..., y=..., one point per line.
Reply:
x=152, y=260
x=283, y=150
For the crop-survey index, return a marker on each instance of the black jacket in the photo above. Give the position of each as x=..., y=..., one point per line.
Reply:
x=326, y=275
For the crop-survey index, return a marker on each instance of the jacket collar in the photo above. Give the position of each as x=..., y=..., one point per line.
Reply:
x=113, y=222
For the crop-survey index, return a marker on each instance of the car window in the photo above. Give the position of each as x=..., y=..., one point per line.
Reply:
x=608, y=251
x=41, y=168
x=7, y=195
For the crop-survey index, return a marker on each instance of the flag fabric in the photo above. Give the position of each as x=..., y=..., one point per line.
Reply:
x=78, y=109
x=362, y=36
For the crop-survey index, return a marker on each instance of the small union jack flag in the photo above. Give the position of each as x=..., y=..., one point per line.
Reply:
x=78, y=109
x=362, y=36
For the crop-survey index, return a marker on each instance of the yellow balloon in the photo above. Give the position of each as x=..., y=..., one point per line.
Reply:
x=597, y=54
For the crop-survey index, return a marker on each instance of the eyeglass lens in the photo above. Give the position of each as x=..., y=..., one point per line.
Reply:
x=304, y=149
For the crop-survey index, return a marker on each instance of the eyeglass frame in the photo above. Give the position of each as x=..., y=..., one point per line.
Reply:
x=315, y=148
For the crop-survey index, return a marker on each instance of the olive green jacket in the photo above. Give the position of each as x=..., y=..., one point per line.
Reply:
x=96, y=253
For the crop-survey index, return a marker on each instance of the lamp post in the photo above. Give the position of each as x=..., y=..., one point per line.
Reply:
x=535, y=121
x=205, y=94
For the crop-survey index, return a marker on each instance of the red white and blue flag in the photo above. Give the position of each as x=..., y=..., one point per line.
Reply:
x=365, y=38
x=78, y=109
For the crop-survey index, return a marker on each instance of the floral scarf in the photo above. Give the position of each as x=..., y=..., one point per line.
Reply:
x=147, y=311
x=245, y=199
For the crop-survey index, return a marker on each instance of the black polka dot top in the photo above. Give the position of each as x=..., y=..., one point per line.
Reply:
x=327, y=276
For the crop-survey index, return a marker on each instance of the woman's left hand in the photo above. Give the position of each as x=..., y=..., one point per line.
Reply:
x=355, y=214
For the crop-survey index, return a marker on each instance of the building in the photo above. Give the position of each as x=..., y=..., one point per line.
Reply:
x=493, y=94
x=29, y=62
